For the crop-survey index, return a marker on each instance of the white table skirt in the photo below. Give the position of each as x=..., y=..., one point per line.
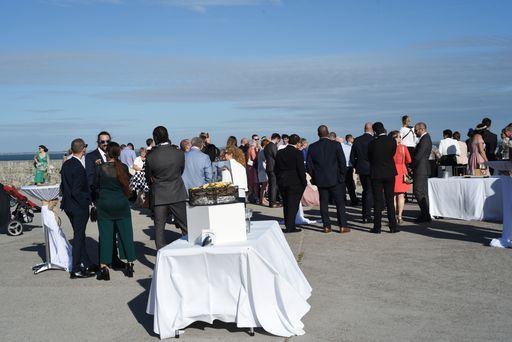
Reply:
x=478, y=199
x=60, y=249
x=256, y=283
x=506, y=236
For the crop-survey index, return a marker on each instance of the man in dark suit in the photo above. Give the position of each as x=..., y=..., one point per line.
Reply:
x=92, y=159
x=291, y=178
x=327, y=167
x=164, y=168
x=359, y=160
x=381, y=151
x=270, y=152
x=490, y=140
x=75, y=203
x=421, y=170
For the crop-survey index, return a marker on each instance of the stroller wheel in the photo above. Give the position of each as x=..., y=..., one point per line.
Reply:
x=15, y=228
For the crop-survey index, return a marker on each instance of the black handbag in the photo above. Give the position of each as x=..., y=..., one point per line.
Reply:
x=93, y=214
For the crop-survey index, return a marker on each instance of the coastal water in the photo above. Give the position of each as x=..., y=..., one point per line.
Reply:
x=28, y=156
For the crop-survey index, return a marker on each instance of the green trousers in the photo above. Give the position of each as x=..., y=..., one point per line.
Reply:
x=107, y=236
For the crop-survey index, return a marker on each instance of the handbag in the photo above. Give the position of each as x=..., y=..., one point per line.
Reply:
x=407, y=179
x=93, y=214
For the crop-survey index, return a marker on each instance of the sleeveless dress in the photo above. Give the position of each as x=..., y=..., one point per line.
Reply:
x=41, y=168
x=476, y=158
x=401, y=158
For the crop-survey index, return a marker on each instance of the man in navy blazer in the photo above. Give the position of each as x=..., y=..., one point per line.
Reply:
x=75, y=203
x=198, y=166
x=359, y=160
x=327, y=166
x=382, y=172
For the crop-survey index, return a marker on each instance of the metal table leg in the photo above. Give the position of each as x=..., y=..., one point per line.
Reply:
x=47, y=265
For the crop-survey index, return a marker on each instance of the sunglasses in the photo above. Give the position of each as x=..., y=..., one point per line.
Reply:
x=256, y=138
x=104, y=142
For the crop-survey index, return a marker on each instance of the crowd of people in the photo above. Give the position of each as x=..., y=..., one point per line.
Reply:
x=281, y=171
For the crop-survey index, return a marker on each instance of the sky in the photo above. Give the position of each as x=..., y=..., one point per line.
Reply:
x=71, y=68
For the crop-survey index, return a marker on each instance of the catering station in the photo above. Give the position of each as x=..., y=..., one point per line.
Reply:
x=229, y=269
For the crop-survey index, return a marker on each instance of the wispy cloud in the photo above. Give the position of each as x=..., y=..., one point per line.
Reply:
x=195, y=5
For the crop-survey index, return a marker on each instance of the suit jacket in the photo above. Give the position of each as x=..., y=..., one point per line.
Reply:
x=90, y=170
x=164, y=168
x=491, y=142
x=290, y=170
x=359, y=154
x=326, y=163
x=74, y=187
x=420, y=163
x=198, y=169
x=381, y=152
x=270, y=152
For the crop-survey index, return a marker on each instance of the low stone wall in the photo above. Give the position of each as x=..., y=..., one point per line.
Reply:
x=22, y=172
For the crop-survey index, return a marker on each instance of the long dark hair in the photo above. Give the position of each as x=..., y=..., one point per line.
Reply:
x=113, y=152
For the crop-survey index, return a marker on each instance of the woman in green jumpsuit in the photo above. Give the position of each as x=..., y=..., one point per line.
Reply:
x=41, y=161
x=113, y=210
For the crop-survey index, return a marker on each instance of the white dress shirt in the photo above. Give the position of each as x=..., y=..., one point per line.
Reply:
x=347, y=147
x=408, y=136
x=449, y=146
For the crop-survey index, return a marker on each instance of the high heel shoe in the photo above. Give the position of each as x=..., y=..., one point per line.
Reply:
x=399, y=220
x=103, y=274
x=129, y=270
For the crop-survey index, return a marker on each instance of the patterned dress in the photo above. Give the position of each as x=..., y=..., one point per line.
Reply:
x=41, y=165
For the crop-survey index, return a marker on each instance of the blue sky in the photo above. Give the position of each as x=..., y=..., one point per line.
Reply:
x=70, y=68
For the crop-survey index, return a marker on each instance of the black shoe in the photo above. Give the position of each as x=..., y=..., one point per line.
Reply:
x=275, y=205
x=117, y=264
x=296, y=230
x=422, y=219
x=129, y=270
x=103, y=274
x=375, y=231
x=394, y=230
x=92, y=269
x=79, y=275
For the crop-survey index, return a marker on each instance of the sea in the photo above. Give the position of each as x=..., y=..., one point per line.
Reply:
x=28, y=156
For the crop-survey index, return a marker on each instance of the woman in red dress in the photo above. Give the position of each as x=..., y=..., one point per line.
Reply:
x=402, y=158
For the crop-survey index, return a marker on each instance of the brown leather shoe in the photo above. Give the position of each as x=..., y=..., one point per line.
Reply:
x=327, y=229
x=344, y=230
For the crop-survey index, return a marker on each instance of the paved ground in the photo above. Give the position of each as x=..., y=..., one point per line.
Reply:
x=435, y=282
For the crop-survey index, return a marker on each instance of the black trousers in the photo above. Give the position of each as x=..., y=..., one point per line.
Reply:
x=386, y=185
x=272, y=187
x=79, y=223
x=161, y=213
x=351, y=185
x=420, y=191
x=291, y=200
x=337, y=193
x=367, y=197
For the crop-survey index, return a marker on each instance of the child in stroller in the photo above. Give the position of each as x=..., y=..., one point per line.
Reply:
x=22, y=210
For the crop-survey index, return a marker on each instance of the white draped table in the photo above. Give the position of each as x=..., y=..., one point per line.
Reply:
x=58, y=249
x=478, y=199
x=255, y=283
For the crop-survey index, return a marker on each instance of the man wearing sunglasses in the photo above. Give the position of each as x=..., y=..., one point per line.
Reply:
x=97, y=157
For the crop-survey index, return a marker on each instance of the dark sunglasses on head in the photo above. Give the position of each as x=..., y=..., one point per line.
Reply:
x=104, y=142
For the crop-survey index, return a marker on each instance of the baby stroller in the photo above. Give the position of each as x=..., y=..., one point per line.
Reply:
x=15, y=210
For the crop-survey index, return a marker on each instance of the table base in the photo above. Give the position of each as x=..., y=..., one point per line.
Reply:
x=45, y=266
x=178, y=332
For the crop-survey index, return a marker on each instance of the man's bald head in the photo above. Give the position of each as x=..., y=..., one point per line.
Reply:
x=323, y=131
x=368, y=128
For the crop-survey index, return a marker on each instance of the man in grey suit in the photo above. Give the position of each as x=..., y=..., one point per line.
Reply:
x=164, y=168
x=198, y=166
x=421, y=170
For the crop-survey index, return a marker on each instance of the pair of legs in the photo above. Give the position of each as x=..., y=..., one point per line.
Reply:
x=399, y=205
x=107, y=228
x=367, y=197
x=351, y=185
x=79, y=253
x=386, y=186
x=337, y=193
x=291, y=200
x=420, y=190
x=161, y=213
x=263, y=189
x=272, y=188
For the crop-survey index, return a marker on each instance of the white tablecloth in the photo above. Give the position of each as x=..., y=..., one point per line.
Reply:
x=256, y=283
x=477, y=199
x=60, y=249
x=506, y=236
